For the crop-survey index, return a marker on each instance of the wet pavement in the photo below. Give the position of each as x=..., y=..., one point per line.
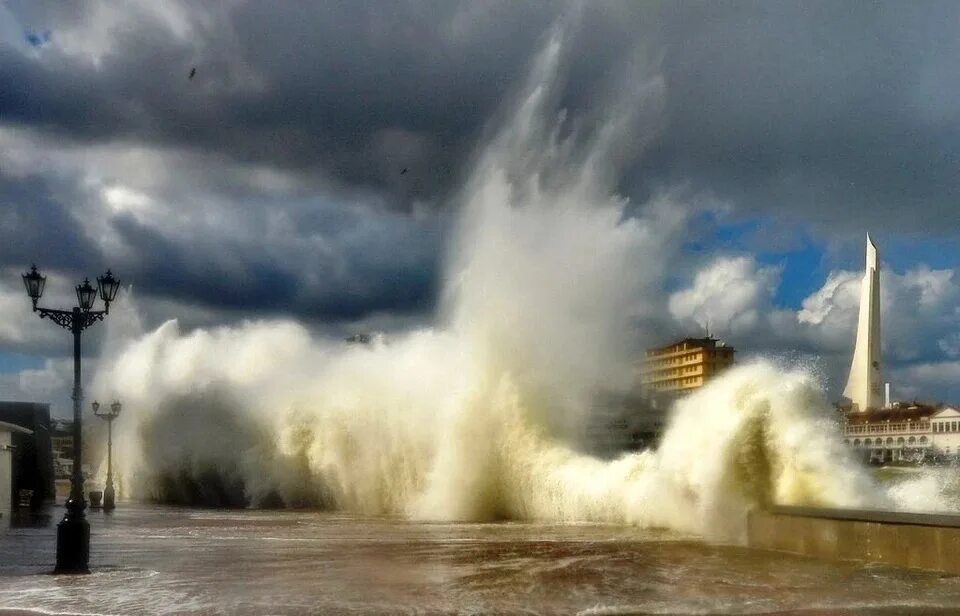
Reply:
x=165, y=560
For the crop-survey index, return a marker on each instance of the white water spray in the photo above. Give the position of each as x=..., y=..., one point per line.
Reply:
x=472, y=420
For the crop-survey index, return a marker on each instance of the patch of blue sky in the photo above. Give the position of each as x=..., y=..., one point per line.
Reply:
x=800, y=258
x=37, y=39
x=15, y=362
x=906, y=252
x=802, y=272
x=710, y=232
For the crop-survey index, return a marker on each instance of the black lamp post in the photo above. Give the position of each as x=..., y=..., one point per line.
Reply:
x=73, y=532
x=109, y=416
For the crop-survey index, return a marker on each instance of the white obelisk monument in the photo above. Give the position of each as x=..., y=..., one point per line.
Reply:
x=865, y=385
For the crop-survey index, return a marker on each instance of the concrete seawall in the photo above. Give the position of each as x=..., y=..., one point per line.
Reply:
x=919, y=540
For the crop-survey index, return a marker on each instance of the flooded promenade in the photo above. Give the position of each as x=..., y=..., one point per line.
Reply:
x=163, y=560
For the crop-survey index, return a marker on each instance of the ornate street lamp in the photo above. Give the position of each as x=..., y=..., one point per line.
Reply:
x=109, y=416
x=73, y=532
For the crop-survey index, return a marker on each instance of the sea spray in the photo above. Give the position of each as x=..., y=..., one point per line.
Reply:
x=477, y=417
x=409, y=428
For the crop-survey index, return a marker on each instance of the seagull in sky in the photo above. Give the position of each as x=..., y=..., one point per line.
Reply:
x=193, y=71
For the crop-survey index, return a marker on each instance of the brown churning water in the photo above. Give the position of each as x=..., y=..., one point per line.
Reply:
x=199, y=562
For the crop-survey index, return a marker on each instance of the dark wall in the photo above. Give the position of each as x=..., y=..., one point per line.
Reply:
x=33, y=454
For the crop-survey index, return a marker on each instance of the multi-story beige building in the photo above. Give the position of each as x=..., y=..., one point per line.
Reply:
x=685, y=365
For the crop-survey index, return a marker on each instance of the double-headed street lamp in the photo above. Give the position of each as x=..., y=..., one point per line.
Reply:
x=73, y=532
x=109, y=416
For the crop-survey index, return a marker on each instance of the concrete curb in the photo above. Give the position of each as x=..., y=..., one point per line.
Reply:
x=915, y=540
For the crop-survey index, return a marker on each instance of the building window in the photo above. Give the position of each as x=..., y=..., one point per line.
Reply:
x=923, y=439
x=911, y=440
x=890, y=440
x=856, y=442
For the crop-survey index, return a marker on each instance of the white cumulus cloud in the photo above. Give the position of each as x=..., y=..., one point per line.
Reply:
x=728, y=296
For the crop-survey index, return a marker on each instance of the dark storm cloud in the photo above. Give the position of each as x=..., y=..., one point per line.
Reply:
x=825, y=113
x=772, y=105
x=357, y=276
x=837, y=113
x=36, y=227
x=345, y=96
x=351, y=92
x=230, y=277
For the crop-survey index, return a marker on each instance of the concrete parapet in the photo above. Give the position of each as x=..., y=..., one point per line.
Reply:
x=919, y=540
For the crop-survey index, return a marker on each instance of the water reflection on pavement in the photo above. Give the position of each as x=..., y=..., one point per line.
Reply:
x=161, y=560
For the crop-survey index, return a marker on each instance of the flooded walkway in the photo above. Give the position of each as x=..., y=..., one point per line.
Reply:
x=161, y=560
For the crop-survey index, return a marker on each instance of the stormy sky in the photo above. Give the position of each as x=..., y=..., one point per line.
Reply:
x=310, y=168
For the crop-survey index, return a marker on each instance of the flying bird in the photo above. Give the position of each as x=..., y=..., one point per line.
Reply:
x=193, y=71
x=404, y=171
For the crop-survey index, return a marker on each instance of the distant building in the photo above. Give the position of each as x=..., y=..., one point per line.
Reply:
x=9, y=498
x=624, y=422
x=32, y=454
x=61, y=441
x=636, y=420
x=684, y=366
x=904, y=433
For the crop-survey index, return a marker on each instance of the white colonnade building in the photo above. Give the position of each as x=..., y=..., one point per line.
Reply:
x=904, y=433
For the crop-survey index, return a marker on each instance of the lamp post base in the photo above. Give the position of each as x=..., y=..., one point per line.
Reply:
x=109, y=498
x=73, y=541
